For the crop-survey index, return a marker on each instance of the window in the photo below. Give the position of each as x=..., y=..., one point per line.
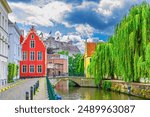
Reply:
x=32, y=36
x=32, y=56
x=0, y=19
x=24, y=68
x=24, y=56
x=32, y=44
x=5, y=25
x=0, y=46
x=3, y=21
x=39, y=68
x=39, y=55
x=31, y=68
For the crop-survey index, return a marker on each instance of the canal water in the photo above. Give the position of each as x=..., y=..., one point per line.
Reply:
x=78, y=93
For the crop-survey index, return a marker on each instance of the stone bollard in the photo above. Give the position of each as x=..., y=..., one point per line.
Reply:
x=31, y=93
x=34, y=89
x=38, y=83
x=36, y=86
x=27, y=95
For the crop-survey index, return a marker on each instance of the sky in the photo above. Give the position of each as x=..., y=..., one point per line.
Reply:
x=76, y=20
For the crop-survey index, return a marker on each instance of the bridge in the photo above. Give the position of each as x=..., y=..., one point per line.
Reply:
x=80, y=81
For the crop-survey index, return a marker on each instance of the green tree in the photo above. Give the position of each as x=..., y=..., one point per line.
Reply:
x=76, y=65
x=126, y=55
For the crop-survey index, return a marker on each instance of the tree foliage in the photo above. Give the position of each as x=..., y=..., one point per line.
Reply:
x=64, y=52
x=126, y=55
x=13, y=70
x=76, y=65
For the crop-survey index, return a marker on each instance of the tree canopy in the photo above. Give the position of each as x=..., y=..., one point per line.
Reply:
x=126, y=55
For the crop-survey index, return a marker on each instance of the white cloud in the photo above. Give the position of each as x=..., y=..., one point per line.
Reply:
x=94, y=40
x=77, y=41
x=42, y=34
x=85, y=30
x=75, y=38
x=45, y=16
x=58, y=35
x=107, y=7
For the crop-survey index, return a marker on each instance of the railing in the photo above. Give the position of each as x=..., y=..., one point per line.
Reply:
x=50, y=90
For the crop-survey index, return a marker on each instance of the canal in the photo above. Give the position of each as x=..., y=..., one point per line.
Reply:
x=79, y=93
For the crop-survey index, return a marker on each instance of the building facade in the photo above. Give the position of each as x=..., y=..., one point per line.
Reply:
x=57, y=65
x=14, y=53
x=4, y=11
x=89, y=51
x=33, y=63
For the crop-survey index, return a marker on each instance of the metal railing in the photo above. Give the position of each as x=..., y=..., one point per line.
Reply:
x=50, y=90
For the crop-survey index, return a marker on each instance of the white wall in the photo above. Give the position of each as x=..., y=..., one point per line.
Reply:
x=3, y=45
x=14, y=45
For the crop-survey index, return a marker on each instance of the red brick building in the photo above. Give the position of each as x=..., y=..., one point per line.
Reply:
x=33, y=63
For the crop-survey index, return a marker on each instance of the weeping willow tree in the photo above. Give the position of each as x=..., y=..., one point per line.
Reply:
x=81, y=66
x=126, y=55
x=102, y=62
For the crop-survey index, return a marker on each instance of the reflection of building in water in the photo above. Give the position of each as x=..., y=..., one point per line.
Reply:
x=63, y=85
x=57, y=65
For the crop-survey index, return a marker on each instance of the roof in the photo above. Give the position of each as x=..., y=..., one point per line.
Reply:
x=90, y=46
x=6, y=6
x=32, y=30
x=10, y=23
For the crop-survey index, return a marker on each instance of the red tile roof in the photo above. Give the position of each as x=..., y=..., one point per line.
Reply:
x=90, y=46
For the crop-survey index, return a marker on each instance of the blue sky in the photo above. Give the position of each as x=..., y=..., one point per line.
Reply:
x=76, y=20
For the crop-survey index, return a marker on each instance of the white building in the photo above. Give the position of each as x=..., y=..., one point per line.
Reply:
x=4, y=11
x=14, y=55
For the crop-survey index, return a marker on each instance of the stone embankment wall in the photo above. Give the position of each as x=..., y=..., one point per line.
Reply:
x=136, y=89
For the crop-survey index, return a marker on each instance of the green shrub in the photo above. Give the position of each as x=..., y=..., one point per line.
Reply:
x=12, y=71
x=106, y=85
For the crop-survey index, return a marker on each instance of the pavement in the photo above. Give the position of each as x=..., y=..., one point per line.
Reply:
x=41, y=94
x=10, y=85
x=17, y=90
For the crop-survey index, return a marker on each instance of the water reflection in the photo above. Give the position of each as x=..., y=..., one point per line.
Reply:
x=77, y=93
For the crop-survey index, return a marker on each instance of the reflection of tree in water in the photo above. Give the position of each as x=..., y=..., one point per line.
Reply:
x=78, y=93
x=106, y=95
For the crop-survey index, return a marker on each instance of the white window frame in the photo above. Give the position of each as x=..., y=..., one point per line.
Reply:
x=33, y=55
x=26, y=68
x=41, y=68
x=3, y=21
x=0, y=19
x=32, y=43
x=38, y=56
x=23, y=55
x=30, y=68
